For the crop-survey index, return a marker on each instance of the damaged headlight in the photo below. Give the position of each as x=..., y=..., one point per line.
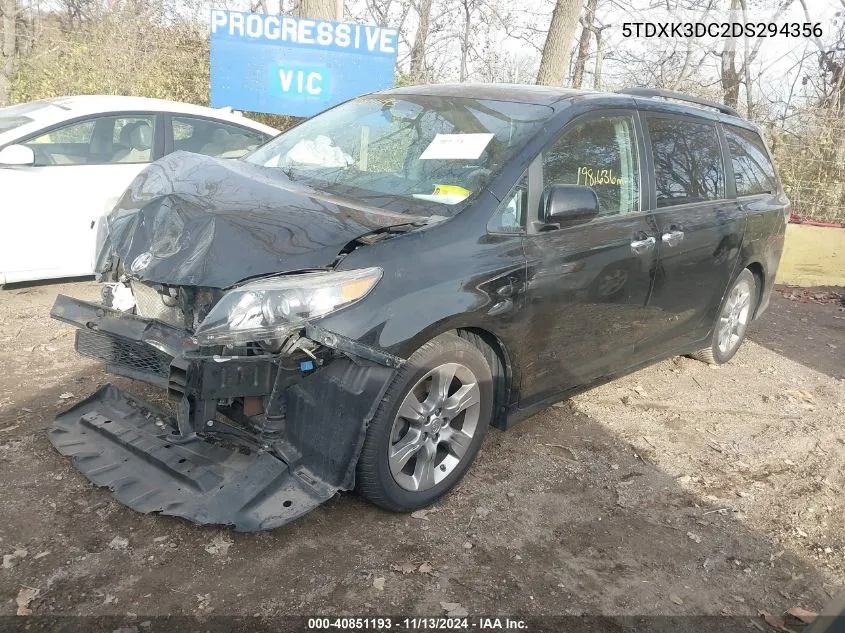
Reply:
x=269, y=308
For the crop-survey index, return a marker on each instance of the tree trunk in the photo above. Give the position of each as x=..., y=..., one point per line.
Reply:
x=599, y=61
x=730, y=76
x=8, y=9
x=465, y=41
x=584, y=44
x=320, y=9
x=558, y=42
x=418, y=50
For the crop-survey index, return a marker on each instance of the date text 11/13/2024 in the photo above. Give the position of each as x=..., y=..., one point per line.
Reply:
x=417, y=624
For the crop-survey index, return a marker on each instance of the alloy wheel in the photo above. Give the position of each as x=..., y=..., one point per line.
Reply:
x=434, y=427
x=734, y=317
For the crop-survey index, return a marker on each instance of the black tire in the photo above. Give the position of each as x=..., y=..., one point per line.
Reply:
x=716, y=354
x=375, y=480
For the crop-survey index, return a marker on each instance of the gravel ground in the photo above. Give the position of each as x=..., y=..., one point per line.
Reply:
x=679, y=489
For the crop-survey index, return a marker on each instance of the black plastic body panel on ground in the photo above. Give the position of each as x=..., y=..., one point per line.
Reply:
x=115, y=442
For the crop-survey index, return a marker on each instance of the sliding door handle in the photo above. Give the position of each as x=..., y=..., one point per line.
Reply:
x=640, y=247
x=673, y=238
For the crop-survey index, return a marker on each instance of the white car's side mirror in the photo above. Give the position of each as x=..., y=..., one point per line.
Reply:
x=16, y=155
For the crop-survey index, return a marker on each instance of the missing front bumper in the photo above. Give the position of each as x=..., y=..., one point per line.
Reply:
x=303, y=452
x=113, y=440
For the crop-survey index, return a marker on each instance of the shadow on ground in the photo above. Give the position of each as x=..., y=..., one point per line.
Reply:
x=809, y=333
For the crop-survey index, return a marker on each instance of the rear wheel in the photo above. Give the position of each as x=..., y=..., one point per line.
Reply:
x=429, y=426
x=732, y=322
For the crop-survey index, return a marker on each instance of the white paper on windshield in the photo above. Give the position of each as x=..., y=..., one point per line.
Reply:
x=456, y=146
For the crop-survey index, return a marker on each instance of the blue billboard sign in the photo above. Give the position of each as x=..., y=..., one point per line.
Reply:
x=297, y=66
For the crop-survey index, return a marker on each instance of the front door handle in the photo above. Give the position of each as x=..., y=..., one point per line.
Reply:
x=673, y=238
x=640, y=247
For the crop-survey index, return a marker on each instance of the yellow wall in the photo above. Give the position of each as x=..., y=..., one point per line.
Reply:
x=813, y=256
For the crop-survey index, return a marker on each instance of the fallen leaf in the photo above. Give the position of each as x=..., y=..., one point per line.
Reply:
x=219, y=545
x=676, y=599
x=422, y=514
x=118, y=542
x=378, y=583
x=694, y=537
x=66, y=396
x=454, y=609
x=25, y=596
x=41, y=555
x=774, y=621
x=807, y=617
x=425, y=568
x=405, y=568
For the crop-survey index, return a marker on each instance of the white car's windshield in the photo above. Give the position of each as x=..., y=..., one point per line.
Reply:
x=413, y=149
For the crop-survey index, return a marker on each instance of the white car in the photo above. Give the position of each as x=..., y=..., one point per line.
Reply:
x=64, y=162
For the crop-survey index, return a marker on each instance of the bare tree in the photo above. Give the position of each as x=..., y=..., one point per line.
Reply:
x=832, y=68
x=321, y=9
x=584, y=43
x=732, y=77
x=9, y=16
x=418, y=69
x=558, y=42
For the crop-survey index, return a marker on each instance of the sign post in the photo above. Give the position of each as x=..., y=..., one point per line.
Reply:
x=296, y=66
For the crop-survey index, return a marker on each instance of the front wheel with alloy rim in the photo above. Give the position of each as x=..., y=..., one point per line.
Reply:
x=732, y=321
x=429, y=426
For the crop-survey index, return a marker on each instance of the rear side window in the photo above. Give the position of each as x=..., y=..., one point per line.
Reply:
x=753, y=170
x=599, y=153
x=687, y=161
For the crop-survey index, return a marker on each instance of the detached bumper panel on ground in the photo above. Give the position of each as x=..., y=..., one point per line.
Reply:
x=115, y=442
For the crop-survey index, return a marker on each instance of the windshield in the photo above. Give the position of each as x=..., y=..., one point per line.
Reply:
x=18, y=115
x=429, y=153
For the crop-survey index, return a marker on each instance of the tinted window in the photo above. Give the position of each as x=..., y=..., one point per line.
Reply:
x=599, y=153
x=753, y=170
x=97, y=141
x=213, y=138
x=687, y=161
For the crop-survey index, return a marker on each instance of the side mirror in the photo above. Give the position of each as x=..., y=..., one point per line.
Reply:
x=569, y=205
x=16, y=155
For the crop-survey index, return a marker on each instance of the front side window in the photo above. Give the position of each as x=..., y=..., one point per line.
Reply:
x=688, y=163
x=213, y=138
x=422, y=154
x=599, y=153
x=753, y=170
x=511, y=214
x=97, y=141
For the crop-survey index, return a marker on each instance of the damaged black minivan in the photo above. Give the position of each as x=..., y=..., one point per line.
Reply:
x=356, y=302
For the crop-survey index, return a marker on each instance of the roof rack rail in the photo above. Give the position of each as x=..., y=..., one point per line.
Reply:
x=679, y=96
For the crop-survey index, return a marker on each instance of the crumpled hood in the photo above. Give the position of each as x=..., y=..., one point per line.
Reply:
x=192, y=220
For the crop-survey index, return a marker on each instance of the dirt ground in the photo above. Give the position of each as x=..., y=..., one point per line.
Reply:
x=679, y=489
